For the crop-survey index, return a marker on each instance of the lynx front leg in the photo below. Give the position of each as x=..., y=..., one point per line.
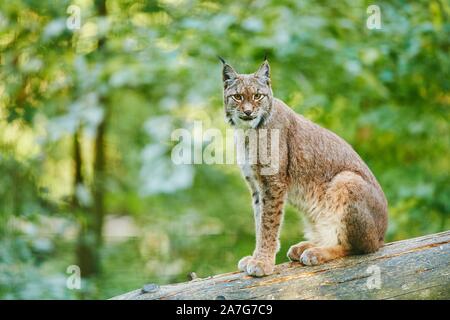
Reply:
x=267, y=244
x=256, y=201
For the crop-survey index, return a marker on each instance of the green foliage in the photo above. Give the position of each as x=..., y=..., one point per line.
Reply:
x=148, y=68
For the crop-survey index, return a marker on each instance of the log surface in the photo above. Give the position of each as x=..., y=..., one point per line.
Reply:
x=416, y=268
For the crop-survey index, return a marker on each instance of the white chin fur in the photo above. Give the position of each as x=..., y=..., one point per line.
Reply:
x=246, y=124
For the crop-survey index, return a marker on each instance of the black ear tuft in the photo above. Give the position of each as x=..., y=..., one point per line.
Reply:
x=265, y=56
x=221, y=59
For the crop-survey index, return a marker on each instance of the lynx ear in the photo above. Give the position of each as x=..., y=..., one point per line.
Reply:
x=264, y=70
x=228, y=73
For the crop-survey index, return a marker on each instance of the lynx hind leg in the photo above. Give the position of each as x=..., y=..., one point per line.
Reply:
x=353, y=200
x=358, y=204
x=360, y=230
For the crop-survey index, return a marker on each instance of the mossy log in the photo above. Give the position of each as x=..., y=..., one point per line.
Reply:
x=416, y=268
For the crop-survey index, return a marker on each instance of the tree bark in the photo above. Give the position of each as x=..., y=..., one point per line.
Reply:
x=100, y=152
x=87, y=256
x=417, y=268
x=91, y=227
x=99, y=182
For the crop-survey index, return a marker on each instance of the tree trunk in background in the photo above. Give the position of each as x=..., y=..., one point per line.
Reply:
x=87, y=256
x=99, y=153
x=99, y=181
x=91, y=235
x=92, y=217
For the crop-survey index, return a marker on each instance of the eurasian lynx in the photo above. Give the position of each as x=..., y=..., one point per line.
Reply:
x=345, y=210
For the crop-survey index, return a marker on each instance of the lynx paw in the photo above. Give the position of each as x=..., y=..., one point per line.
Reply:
x=242, y=264
x=296, y=251
x=312, y=257
x=255, y=267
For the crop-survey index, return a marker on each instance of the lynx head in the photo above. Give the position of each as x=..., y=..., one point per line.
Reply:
x=247, y=97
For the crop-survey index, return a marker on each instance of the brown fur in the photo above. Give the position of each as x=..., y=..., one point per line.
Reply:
x=345, y=210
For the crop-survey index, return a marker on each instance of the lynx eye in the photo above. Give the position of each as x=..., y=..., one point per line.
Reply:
x=237, y=97
x=257, y=96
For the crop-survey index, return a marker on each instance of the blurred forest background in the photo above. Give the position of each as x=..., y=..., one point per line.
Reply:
x=86, y=117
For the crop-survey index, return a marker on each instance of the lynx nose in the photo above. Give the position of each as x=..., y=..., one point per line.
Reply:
x=248, y=112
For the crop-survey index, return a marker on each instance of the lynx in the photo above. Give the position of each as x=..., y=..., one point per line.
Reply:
x=344, y=208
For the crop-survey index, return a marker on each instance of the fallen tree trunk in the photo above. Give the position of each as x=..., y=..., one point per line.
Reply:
x=417, y=268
